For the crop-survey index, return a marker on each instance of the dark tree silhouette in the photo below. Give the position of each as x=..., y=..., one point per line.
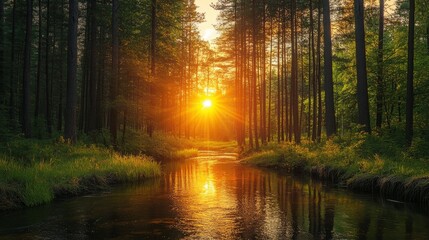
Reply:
x=71, y=99
x=410, y=76
x=362, y=82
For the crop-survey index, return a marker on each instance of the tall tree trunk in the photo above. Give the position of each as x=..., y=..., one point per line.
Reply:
x=380, y=84
x=12, y=86
x=26, y=117
x=71, y=105
x=2, y=77
x=270, y=80
x=238, y=83
x=39, y=65
x=115, y=73
x=410, y=76
x=150, y=127
x=331, y=127
x=294, y=77
x=263, y=104
x=362, y=82
x=254, y=74
x=60, y=113
x=313, y=76
x=47, y=83
x=91, y=118
x=279, y=102
x=100, y=81
x=319, y=73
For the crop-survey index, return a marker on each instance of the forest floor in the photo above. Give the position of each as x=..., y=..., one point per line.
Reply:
x=377, y=164
x=34, y=172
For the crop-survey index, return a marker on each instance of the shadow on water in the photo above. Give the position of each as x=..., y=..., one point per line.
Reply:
x=214, y=197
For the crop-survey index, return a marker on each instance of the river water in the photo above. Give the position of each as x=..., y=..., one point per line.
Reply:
x=213, y=196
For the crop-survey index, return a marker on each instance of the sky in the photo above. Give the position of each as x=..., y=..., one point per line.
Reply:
x=207, y=30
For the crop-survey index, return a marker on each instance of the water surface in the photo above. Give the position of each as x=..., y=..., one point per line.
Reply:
x=215, y=197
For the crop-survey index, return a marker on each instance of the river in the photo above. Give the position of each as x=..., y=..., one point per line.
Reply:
x=213, y=196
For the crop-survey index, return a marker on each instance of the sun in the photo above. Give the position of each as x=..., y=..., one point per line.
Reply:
x=207, y=103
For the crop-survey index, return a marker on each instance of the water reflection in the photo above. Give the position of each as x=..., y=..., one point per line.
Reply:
x=213, y=197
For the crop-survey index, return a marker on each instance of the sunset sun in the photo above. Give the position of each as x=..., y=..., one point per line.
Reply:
x=207, y=103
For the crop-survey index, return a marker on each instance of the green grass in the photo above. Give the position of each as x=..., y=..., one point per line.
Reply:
x=33, y=172
x=364, y=163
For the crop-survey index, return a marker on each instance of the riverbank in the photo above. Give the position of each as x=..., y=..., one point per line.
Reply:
x=364, y=163
x=35, y=172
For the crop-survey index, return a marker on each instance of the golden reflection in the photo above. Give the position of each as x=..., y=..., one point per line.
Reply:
x=203, y=198
x=209, y=188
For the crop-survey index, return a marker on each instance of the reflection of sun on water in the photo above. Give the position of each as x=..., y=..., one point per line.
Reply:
x=208, y=204
x=209, y=188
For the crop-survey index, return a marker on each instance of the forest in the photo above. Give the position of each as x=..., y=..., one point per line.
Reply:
x=282, y=70
x=285, y=79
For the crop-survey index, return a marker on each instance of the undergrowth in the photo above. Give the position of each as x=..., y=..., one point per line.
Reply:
x=33, y=172
x=364, y=162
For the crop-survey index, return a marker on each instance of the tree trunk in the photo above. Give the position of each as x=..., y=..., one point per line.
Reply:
x=47, y=83
x=60, y=113
x=330, y=119
x=39, y=65
x=270, y=80
x=254, y=75
x=150, y=127
x=380, y=84
x=319, y=73
x=2, y=77
x=115, y=73
x=92, y=108
x=362, y=84
x=313, y=76
x=279, y=102
x=410, y=77
x=71, y=105
x=263, y=103
x=12, y=86
x=294, y=77
x=26, y=118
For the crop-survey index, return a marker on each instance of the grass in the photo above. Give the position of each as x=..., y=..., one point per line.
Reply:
x=34, y=172
x=366, y=163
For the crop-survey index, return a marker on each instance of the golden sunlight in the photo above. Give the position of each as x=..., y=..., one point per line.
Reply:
x=207, y=103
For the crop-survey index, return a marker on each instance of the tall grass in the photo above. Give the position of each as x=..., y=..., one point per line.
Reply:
x=35, y=172
x=369, y=163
